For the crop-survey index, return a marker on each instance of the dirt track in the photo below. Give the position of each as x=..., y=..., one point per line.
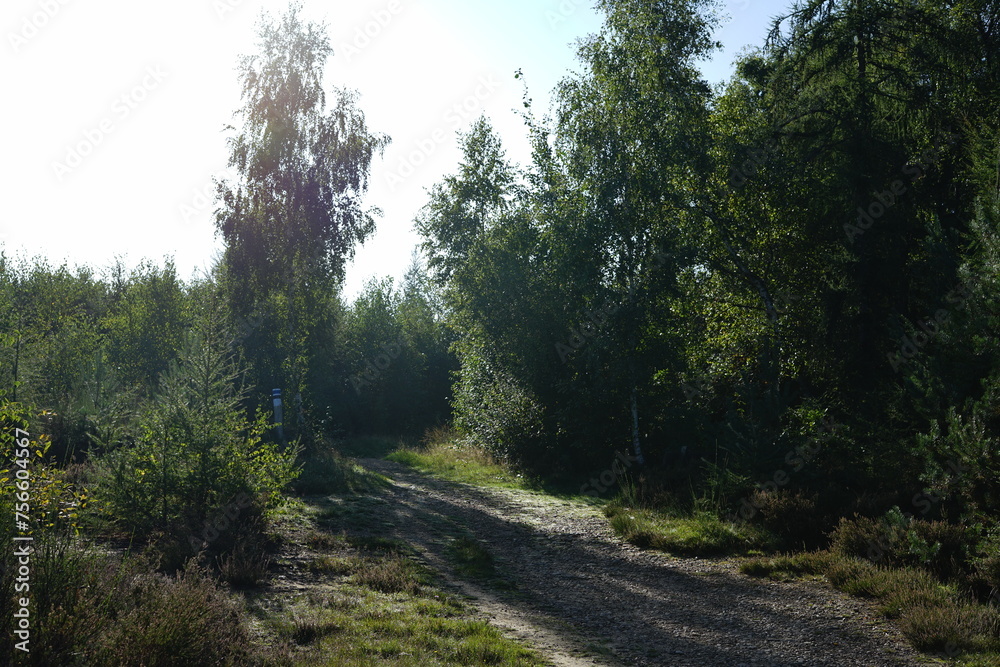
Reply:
x=583, y=597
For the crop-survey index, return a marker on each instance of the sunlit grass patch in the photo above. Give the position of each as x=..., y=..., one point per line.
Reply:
x=789, y=566
x=459, y=461
x=393, y=574
x=334, y=565
x=698, y=533
x=406, y=630
x=325, y=471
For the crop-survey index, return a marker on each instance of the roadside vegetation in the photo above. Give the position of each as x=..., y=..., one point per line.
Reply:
x=446, y=454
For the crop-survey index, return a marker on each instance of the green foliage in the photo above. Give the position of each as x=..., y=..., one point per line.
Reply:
x=196, y=453
x=737, y=283
x=986, y=562
x=294, y=212
x=145, y=325
x=780, y=294
x=898, y=540
x=93, y=606
x=51, y=346
x=394, y=362
x=498, y=412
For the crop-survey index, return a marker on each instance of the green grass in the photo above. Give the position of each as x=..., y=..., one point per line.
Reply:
x=461, y=463
x=338, y=566
x=471, y=558
x=368, y=600
x=361, y=598
x=698, y=533
x=376, y=605
x=935, y=617
x=783, y=568
x=357, y=625
x=325, y=471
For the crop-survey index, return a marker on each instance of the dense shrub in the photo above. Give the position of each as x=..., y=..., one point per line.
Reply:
x=986, y=563
x=91, y=606
x=791, y=516
x=499, y=413
x=898, y=540
x=198, y=461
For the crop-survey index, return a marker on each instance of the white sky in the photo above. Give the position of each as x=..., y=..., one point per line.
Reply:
x=142, y=91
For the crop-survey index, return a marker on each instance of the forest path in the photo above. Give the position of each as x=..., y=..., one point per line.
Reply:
x=582, y=596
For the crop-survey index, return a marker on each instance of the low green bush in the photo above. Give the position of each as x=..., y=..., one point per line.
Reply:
x=199, y=468
x=789, y=516
x=898, y=540
x=986, y=564
x=93, y=607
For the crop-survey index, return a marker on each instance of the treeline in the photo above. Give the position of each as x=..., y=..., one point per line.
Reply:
x=92, y=349
x=788, y=282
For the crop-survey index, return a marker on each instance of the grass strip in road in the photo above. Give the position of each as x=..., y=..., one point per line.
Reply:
x=359, y=623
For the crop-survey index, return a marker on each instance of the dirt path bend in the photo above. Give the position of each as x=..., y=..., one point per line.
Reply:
x=583, y=597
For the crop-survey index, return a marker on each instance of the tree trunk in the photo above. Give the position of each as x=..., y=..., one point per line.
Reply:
x=636, y=446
